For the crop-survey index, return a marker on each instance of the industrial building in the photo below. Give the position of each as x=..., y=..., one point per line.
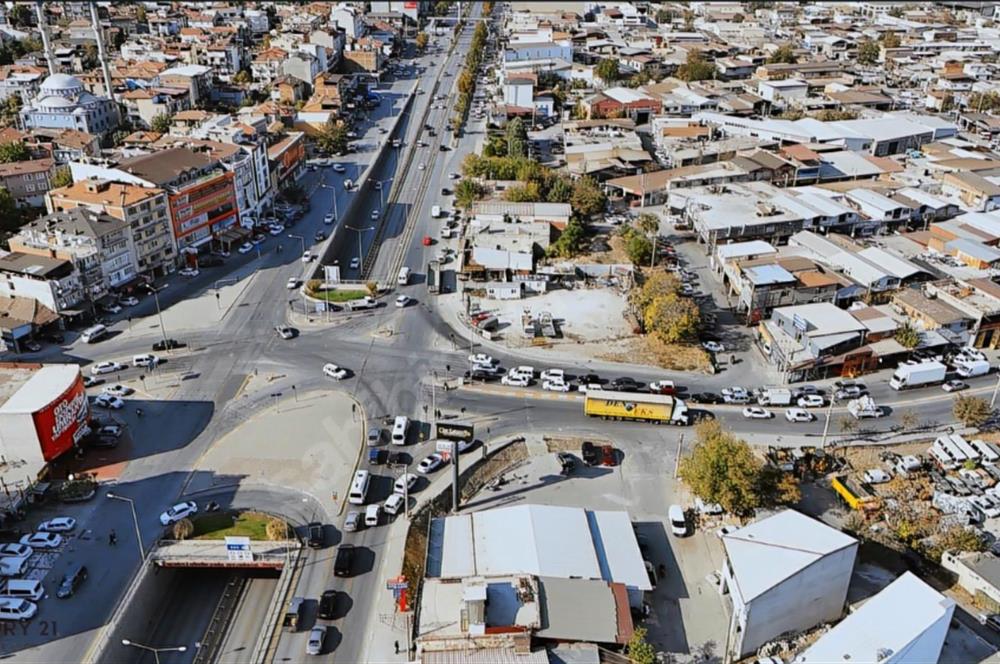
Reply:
x=785, y=573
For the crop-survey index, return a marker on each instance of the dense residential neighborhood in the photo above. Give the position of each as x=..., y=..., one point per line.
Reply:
x=473, y=332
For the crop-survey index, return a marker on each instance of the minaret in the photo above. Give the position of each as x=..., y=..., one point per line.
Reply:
x=46, y=46
x=101, y=55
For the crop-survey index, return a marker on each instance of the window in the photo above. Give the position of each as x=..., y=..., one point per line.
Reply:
x=29, y=187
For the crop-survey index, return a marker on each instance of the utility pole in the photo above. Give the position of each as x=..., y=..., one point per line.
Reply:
x=996, y=388
x=829, y=416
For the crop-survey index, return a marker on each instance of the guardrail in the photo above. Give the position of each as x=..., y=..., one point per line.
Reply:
x=270, y=631
x=222, y=617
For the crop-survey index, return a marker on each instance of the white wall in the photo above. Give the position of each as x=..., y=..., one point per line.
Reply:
x=19, y=440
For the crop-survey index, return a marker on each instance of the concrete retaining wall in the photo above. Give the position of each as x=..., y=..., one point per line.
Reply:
x=136, y=614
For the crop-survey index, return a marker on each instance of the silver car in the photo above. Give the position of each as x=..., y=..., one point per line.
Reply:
x=352, y=522
x=316, y=637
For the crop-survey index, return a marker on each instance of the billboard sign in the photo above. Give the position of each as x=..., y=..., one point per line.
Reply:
x=455, y=431
x=61, y=423
x=238, y=549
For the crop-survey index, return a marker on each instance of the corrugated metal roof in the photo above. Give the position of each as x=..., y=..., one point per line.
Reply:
x=473, y=655
x=907, y=622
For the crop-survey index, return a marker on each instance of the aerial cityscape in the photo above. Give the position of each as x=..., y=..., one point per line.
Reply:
x=499, y=332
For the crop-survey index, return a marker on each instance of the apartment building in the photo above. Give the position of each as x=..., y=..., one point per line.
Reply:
x=27, y=181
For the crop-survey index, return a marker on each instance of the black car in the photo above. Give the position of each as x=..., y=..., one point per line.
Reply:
x=344, y=562
x=567, y=462
x=316, y=538
x=590, y=453
x=211, y=261
x=72, y=580
x=445, y=191
x=399, y=459
x=706, y=397
x=588, y=379
x=624, y=385
x=377, y=457
x=328, y=604
x=443, y=148
x=169, y=344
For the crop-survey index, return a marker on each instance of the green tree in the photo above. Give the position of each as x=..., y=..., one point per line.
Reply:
x=183, y=529
x=638, y=248
x=526, y=193
x=607, y=70
x=891, y=40
x=672, y=318
x=62, y=178
x=971, y=411
x=785, y=54
x=738, y=18
x=907, y=335
x=468, y=192
x=695, y=68
x=10, y=215
x=570, y=241
x=332, y=139
x=868, y=52
x=19, y=16
x=243, y=77
x=560, y=191
x=13, y=151
x=688, y=20
x=587, y=199
x=294, y=193
x=980, y=102
x=517, y=138
x=140, y=14
x=664, y=16
x=422, y=39
x=9, y=110
x=638, y=649
x=723, y=469
x=442, y=8
x=656, y=284
x=648, y=223
x=161, y=123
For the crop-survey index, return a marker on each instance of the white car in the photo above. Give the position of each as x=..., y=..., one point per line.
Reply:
x=588, y=387
x=60, y=524
x=106, y=368
x=375, y=214
x=712, y=346
x=339, y=168
x=393, y=504
x=430, y=464
x=329, y=219
x=15, y=550
x=954, y=386
x=293, y=283
x=810, y=401
x=554, y=375
x=285, y=332
x=756, y=413
x=178, y=512
x=112, y=308
x=555, y=386
x=145, y=360
x=420, y=167
x=189, y=272
x=334, y=372
x=42, y=540
x=245, y=248
x=482, y=358
x=307, y=257
x=798, y=415
x=355, y=263
x=516, y=380
x=734, y=391
x=404, y=482
x=129, y=301
x=117, y=390
x=402, y=301
x=108, y=401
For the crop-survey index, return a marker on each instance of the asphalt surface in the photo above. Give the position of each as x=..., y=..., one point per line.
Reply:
x=392, y=353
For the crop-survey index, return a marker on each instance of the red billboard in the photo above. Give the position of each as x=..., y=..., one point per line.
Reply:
x=409, y=5
x=61, y=423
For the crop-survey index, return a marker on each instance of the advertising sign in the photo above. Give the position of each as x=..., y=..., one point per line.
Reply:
x=238, y=549
x=61, y=423
x=455, y=431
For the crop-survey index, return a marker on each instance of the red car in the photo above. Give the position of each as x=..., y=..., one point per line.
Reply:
x=609, y=455
x=428, y=240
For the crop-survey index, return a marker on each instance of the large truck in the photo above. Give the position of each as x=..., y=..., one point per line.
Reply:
x=656, y=408
x=774, y=396
x=917, y=375
x=433, y=276
x=863, y=408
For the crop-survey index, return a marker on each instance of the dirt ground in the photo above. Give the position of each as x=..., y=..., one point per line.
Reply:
x=646, y=350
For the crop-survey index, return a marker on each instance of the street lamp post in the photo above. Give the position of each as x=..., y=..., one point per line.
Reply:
x=996, y=388
x=359, y=231
x=381, y=190
x=135, y=522
x=156, y=651
x=159, y=313
x=300, y=239
x=826, y=427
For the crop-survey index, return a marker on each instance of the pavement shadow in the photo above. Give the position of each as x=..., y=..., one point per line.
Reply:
x=665, y=622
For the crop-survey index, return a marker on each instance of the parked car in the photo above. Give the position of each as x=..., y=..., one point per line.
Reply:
x=712, y=346
x=810, y=401
x=404, y=482
x=188, y=272
x=352, y=522
x=624, y=384
x=15, y=550
x=316, y=538
x=60, y=524
x=245, y=248
x=430, y=464
x=402, y=301
x=42, y=540
x=706, y=398
x=102, y=368
x=108, y=401
x=954, y=386
x=178, y=512
x=589, y=453
x=293, y=283
x=555, y=386
x=756, y=413
x=117, y=390
x=129, y=301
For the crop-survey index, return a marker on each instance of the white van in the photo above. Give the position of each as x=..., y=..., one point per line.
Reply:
x=394, y=503
x=372, y=514
x=23, y=589
x=13, y=565
x=404, y=276
x=678, y=524
x=359, y=488
x=435, y=211
x=12, y=608
x=145, y=360
x=93, y=333
x=399, y=427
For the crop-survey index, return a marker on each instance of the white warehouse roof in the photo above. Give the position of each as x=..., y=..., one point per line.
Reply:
x=42, y=388
x=905, y=623
x=767, y=552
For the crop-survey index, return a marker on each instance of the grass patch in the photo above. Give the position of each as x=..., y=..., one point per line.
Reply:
x=339, y=295
x=218, y=525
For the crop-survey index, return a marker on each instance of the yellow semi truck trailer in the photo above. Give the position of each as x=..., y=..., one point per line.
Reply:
x=656, y=408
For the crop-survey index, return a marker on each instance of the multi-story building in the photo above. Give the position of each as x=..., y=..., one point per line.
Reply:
x=21, y=80
x=250, y=135
x=287, y=159
x=196, y=79
x=144, y=209
x=27, y=181
x=64, y=103
x=96, y=244
x=52, y=282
